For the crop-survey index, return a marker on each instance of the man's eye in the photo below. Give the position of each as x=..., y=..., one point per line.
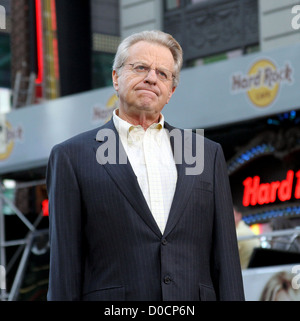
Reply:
x=162, y=74
x=141, y=68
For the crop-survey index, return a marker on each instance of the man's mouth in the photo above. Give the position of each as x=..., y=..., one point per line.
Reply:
x=148, y=90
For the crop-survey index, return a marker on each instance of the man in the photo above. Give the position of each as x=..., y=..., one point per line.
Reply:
x=141, y=229
x=246, y=247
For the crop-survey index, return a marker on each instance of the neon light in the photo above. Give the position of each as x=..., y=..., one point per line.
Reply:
x=252, y=153
x=267, y=215
x=45, y=208
x=53, y=15
x=256, y=228
x=39, y=39
x=297, y=187
x=265, y=193
x=54, y=41
x=55, y=56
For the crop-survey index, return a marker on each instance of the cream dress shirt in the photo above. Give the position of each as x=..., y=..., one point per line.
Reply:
x=150, y=155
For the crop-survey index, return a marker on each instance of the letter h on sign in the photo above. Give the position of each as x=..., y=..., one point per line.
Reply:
x=2, y=18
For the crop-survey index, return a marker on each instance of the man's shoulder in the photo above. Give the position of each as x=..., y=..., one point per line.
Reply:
x=208, y=143
x=82, y=139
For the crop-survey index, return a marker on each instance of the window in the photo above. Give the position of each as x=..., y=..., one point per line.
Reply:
x=172, y=4
x=5, y=60
x=102, y=69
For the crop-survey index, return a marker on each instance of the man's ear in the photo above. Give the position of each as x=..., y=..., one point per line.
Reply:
x=115, y=78
x=171, y=93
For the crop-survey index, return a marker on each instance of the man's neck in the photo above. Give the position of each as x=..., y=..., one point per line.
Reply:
x=142, y=119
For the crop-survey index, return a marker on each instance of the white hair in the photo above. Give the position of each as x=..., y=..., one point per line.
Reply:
x=154, y=36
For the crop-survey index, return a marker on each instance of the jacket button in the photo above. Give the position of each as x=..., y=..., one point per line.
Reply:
x=164, y=242
x=167, y=279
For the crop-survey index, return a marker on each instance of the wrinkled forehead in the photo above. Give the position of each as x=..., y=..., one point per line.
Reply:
x=152, y=54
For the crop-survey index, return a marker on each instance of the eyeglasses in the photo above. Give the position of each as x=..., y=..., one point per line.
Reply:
x=143, y=70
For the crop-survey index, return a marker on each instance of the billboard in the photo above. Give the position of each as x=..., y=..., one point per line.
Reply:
x=275, y=283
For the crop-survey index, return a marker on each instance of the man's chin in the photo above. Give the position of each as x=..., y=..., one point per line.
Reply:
x=147, y=108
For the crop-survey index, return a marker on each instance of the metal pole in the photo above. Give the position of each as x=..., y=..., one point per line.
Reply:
x=30, y=184
x=293, y=231
x=16, y=91
x=2, y=246
x=30, y=91
x=13, y=294
x=22, y=243
x=18, y=212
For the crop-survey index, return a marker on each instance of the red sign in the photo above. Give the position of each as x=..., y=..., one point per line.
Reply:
x=45, y=208
x=265, y=193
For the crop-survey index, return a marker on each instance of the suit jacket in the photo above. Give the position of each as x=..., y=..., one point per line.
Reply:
x=106, y=245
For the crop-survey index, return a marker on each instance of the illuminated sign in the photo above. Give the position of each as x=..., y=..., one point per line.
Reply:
x=2, y=134
x=256, y=192
x=104, y=113
x=45, y=207
x=2, y=18
x=262, y=82
x=47, y=50
x=11, y=135
x=39, y=41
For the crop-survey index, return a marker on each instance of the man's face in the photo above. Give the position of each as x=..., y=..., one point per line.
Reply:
x=144, y=93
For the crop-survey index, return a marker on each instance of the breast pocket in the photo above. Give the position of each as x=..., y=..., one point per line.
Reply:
x=206, y=186
x=207, y=293
x=109, y=294
x=203, y=200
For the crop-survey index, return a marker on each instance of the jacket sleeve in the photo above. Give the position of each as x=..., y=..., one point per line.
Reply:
x=65, y=235
x=227, y=270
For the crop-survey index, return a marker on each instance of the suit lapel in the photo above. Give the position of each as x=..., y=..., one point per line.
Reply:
x=184, y=184
x=126, y=180
x=123, y=174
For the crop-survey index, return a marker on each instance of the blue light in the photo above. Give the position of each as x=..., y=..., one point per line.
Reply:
x=269, y=214
x=293, y=114
x=245, y=157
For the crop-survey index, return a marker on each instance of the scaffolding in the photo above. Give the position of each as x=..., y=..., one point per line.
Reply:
x=23, y=245
x=29, y=134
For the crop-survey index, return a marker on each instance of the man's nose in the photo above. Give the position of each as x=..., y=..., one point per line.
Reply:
x=151, y=77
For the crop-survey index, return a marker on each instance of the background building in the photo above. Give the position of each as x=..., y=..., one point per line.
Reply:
x=5, y=59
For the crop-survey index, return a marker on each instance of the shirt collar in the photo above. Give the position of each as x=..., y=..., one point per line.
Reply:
x=125, y=129
x=121, y=125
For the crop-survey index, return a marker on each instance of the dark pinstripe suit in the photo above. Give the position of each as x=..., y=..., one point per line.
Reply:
x=105, y=244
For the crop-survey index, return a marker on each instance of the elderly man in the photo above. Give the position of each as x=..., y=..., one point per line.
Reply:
x=141, y=229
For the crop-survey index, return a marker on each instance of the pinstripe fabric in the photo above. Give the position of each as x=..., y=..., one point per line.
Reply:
x=106, y=245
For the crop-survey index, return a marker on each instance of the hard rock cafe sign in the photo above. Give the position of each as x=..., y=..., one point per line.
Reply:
x=104, y=113
x=8, y=136
x=262, y=82
x=259, y=193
